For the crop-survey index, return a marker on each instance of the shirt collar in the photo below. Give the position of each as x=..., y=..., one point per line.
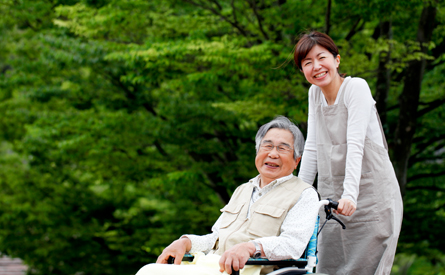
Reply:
x=256, y=181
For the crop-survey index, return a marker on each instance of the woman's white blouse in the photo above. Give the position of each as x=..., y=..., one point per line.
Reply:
x=296, y=229
x=362, y=122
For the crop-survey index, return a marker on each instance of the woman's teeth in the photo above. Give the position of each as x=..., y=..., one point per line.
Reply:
x=320, y=75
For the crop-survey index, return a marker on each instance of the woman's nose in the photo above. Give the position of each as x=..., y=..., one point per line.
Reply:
x=317, y=65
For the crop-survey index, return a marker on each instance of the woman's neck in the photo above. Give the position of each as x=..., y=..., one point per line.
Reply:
x=330, y=91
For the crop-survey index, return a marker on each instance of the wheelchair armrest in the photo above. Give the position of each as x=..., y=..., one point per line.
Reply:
x=300, y=263
x=187, y=258
x=280, y=263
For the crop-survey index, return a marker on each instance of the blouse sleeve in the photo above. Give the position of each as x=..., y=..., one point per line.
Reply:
x=308, y=169
x=359, y=102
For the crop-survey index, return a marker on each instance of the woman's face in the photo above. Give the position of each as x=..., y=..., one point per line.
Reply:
x=320, y=66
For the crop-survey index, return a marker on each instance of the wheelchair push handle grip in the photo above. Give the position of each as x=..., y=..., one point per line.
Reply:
x=333, y=204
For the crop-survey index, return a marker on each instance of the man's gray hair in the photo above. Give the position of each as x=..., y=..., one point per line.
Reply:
x=281, y=122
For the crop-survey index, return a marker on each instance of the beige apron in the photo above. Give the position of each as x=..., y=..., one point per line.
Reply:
x=368, y=244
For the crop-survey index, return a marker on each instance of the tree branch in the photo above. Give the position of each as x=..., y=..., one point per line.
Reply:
x=353, y=30
x=421, y=148
x=234, y=24
x=233, y=11
x=160, y=149
x=217, y=4
x=430, y=106
x=258, y=17
x=432, y=188
x=426, y=175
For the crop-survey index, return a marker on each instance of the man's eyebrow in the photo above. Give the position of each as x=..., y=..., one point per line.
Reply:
x=282, y=143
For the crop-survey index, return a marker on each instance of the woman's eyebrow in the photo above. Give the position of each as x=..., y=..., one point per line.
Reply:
x=310, y=58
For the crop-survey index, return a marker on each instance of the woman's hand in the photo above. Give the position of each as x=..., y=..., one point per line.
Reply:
x=345, y=207
x=176, y=249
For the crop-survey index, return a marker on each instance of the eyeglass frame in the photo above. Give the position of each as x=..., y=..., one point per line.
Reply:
x=288, y=148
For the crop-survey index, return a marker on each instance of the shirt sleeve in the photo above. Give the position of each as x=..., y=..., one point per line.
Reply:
x=204, y=243
x=308, y=168
x=296, y=230
x=359, y=102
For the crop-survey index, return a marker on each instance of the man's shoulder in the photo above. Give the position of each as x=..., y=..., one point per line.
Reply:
x=242, y=188
x=296, y=182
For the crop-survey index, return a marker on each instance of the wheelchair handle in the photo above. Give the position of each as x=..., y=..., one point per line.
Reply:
x=329, y=203
x=328, y=206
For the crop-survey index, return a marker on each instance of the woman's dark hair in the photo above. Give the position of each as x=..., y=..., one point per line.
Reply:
x=308, y=41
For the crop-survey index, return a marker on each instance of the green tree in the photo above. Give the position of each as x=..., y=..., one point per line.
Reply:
x=125, y=124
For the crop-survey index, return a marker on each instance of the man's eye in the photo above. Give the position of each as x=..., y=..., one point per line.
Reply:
x=268, y=147
x=282, y=148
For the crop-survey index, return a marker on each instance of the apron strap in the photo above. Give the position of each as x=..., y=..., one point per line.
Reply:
x=343, y=89
x=381, y=129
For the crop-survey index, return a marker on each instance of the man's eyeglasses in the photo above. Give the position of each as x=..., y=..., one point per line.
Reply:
x=281, y=148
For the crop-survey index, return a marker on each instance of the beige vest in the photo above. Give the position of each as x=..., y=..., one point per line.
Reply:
x=266, y=216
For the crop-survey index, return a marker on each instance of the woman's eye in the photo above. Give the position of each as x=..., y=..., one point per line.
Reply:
x=307, y=63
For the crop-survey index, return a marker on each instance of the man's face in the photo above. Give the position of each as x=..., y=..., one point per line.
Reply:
x=272, y=164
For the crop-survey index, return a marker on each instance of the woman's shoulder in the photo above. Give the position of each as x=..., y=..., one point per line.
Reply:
x=314, y=92
x=358, y=82
x=358, y=89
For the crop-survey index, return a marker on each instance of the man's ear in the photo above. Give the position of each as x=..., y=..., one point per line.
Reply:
x=296, y=162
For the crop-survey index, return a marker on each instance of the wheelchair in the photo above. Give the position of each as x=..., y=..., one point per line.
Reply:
x=307, y=261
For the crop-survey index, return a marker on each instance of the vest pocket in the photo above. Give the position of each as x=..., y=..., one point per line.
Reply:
x=231, y=213
x=266, y=220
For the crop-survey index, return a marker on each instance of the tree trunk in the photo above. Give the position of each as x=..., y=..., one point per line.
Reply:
x=328, y=17
x=383, y=73
x=409, y=99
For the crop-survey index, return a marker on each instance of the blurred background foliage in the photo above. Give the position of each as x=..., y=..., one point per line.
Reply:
x=127, y=123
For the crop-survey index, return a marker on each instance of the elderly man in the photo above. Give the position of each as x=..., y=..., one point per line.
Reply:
x=273, y=215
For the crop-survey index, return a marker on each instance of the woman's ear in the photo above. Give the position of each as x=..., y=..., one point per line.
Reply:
x=337, y=59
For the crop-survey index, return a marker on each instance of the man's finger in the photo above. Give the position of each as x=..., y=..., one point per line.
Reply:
x=178, y=259
x=228, y=266
x=235, y=264
x=222, y=262
x=162, y=259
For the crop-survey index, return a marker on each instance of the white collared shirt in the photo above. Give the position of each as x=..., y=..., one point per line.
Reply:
x=296, y=229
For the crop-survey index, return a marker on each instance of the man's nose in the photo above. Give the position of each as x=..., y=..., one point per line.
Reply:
x=274, y=152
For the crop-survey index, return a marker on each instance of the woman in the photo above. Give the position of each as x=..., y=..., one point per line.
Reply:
x=346, y=146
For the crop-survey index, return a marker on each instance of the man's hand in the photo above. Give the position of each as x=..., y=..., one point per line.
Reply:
x=236, y=257
x=345, y=207
x=176, y=249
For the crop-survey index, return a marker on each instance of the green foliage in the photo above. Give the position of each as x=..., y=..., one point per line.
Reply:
x=125, y=124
